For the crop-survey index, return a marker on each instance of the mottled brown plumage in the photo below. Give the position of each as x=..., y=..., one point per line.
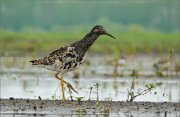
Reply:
x=70, y=57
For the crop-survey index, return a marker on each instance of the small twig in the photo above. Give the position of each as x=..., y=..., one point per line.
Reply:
x=71, y=88
x=131, y=92
x=90, y=91
x=56, y=90
x=70, y=93
x=128, y=94
x=141, y=93
x=97, y=91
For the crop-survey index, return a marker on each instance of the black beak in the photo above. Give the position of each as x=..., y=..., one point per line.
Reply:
x=106, y=33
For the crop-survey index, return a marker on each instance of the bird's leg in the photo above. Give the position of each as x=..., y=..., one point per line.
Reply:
x=62, y=88
x=62, y=84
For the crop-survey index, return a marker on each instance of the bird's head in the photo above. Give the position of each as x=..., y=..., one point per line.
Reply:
x=99, y=30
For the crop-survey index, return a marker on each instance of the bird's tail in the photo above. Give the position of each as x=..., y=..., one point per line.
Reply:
x=36, y=62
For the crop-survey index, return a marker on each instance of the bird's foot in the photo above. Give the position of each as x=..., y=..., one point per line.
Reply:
x=64, y=99
x=71, y=87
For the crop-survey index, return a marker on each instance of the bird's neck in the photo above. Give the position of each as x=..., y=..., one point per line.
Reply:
x=88, y=40
x=84, y=44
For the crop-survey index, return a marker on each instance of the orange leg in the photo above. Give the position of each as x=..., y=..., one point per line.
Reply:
x=62, y=85
x=62, y=89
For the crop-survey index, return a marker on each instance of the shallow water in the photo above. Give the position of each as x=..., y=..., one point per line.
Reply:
x=20, y=80
x=109, y=89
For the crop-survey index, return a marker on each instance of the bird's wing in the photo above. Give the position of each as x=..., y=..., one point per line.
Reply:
x=64, y=54
x=51, y=57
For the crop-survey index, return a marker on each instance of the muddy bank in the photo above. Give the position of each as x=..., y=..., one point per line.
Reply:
x=57, y=107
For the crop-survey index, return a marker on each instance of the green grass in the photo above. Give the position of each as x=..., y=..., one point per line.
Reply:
x=131, y=42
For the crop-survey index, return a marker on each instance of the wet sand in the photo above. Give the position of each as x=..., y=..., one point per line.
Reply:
x=105, y=108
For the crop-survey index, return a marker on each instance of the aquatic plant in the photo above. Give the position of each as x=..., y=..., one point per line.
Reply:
x=79, y=99
x=165, y=64
x=159, y=73
x=177, y=68
x=90, y=92
x=97, y=91
x=93, y=72
x=131, y=94
x=116, y=65
x=135, y=73
x=171, y=59
x=97, y=94
x=76, y=74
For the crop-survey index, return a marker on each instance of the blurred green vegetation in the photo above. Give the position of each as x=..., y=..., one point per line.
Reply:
x=162, y=15
x=132, y=39
x=36, y=26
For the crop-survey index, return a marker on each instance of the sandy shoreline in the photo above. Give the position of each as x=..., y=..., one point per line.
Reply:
x=58, y=107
